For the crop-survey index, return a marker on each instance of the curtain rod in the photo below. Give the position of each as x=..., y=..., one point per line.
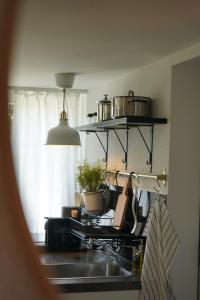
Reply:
x=160, y=177
x=43, y=89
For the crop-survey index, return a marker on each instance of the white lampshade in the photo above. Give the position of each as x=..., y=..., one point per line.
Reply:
x=65, y=80
x=63, y=135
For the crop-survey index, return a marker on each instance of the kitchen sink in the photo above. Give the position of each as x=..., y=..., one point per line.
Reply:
x=85, y=270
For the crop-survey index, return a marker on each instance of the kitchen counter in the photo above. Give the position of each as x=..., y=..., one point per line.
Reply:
x=77, y=285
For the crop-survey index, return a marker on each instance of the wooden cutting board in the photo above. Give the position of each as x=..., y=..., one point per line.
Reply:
x=121, y=207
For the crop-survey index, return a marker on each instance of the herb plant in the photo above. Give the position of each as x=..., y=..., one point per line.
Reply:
x=90, y=176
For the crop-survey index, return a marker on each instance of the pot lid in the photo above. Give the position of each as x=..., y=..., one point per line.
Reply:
x=130, y=95
x=105, y=100
x=141, y=99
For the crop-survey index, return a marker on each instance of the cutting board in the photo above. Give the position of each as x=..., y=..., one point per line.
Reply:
x=121, y=207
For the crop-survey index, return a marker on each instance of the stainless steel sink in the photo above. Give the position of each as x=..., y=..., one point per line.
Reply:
x=85, y=270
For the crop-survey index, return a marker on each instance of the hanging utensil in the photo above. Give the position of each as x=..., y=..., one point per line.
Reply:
x=135, y=209
x=122, y=203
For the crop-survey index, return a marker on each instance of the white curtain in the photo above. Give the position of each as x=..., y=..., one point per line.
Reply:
x=45, y=174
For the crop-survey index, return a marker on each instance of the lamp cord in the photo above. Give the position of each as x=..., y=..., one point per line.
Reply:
x=64, y=93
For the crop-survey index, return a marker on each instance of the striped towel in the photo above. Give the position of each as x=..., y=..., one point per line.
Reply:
x=161, y=246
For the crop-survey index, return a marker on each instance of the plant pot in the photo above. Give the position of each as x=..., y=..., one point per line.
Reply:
x=93, y=201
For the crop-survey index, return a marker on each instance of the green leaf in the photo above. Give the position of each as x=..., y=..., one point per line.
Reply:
x=91, y=175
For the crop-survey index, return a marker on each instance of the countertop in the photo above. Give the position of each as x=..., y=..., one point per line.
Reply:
x=76, y=285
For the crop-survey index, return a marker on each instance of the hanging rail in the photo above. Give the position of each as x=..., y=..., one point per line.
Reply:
x=160, y=177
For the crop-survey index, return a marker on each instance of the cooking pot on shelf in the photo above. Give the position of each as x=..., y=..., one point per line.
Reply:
x=121, y=105
x=140, y=106
x=104, y=109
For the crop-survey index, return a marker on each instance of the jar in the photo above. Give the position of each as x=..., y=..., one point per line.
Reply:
x=104, y=109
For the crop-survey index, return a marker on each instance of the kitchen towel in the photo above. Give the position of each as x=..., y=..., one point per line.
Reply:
x=161, y=246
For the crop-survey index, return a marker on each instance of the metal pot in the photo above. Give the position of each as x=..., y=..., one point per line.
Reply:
x=140, y=107
x=121, y=105
x=104, y=109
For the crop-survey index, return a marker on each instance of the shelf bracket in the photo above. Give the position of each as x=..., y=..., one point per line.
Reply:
x=125, y=149
x=105, y=148
x=149, y=148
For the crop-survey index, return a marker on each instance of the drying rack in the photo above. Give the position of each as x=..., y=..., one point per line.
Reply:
x=87, y=229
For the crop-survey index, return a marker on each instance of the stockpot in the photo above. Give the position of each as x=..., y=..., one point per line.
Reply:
x=140, y=106
x=121, y=105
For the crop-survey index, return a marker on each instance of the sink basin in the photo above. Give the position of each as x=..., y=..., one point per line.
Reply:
x=85, y=270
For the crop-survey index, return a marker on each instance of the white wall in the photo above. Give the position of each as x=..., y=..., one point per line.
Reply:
x=184, y=176
x=153, y=80
x=156, y=81
x=149, y=81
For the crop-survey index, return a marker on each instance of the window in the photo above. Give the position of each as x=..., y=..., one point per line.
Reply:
x=45, y=174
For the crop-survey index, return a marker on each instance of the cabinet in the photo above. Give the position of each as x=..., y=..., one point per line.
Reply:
x=124, y=123
x=118, y=295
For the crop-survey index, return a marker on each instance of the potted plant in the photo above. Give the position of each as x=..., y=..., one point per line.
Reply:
x=90, y=177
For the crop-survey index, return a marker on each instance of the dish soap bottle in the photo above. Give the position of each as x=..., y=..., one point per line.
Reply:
x=141, y=253
x=136, y=260
x=138, y=256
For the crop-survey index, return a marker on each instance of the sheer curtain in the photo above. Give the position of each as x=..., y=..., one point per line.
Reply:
x=45, y=174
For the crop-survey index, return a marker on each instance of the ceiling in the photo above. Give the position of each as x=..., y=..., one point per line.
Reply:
x=98, y=39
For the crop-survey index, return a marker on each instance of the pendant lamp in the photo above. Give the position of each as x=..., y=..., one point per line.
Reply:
x=63, y=134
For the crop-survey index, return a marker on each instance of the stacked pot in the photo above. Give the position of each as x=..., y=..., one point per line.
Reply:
x=124, y=106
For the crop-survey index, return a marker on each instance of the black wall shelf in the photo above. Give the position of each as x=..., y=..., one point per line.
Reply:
x=124, y=123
